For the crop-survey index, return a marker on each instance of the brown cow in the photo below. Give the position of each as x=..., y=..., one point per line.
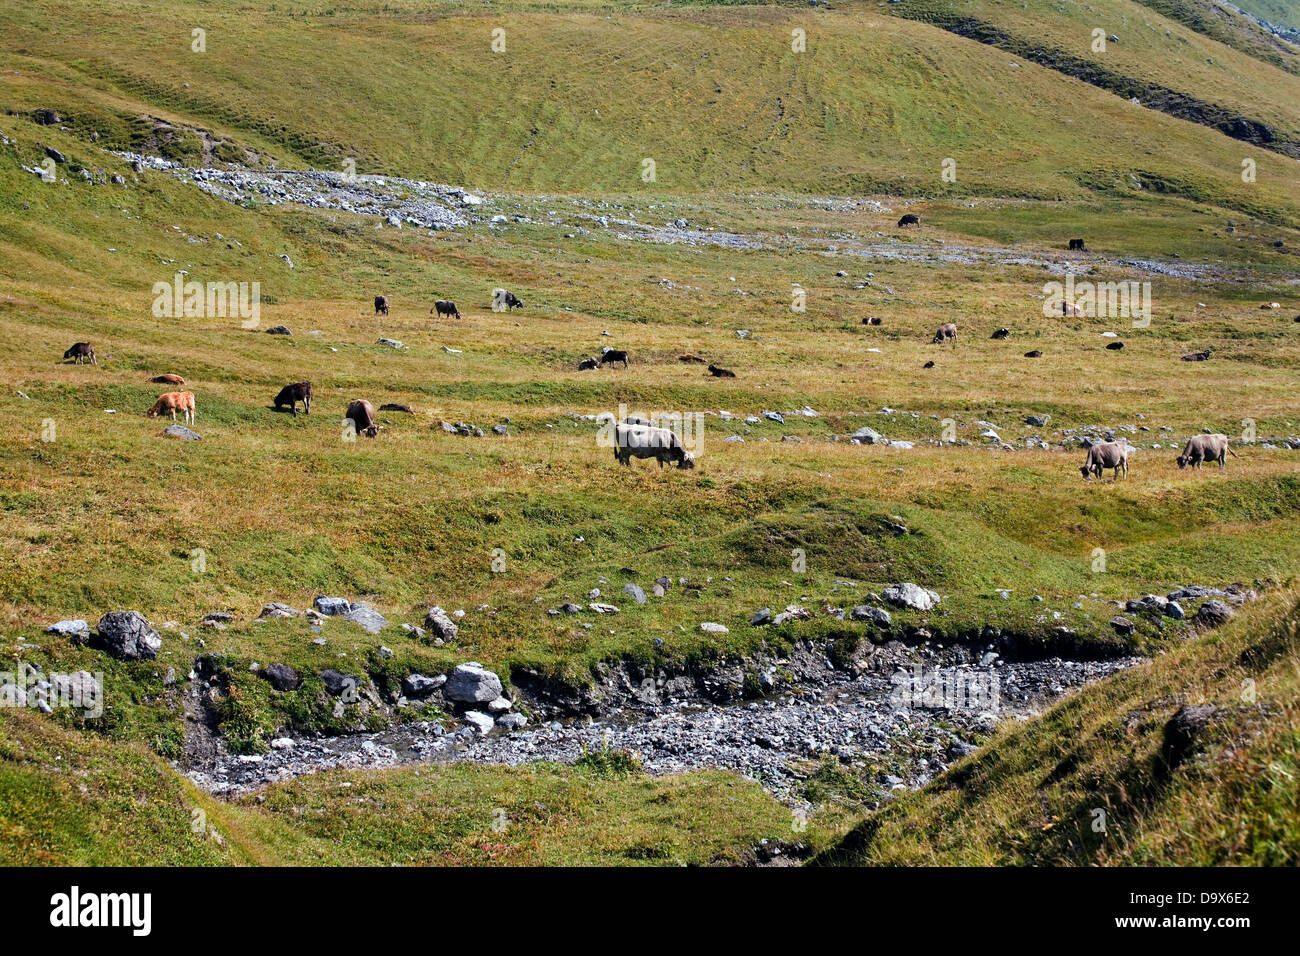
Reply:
x=362, y=416
x=79, y=351
x=1202, y=448
x=291, y=395
x=1106, y=454
x=167, y=379
x=174, y=402
x=946, y=331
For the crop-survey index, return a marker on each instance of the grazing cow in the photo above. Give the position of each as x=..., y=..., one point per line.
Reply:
x=445, y=307
x=928, y=365
x=1034, y=354
x=1115, y=346
x=291, y=395
x=1077, y=244
x=1000, y=334
x=174, y=402
x=1203, y=356
x=1068, y=308
x=871, y=320
x=614, y=355
x=717, y=372
x=587, y=364
x=946, y=331
x=362, y=416
x=688, y=357
x=397, y=407
x=911, y=219
x=167, y=379
x=647, y=441
x=504, y=298
x=79, y=351
x=1202, y=448
x=381, y=305
x=1106, y=454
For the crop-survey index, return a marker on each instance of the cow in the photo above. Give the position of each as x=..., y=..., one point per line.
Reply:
x=381, y=305
x=1076, y=245
x=911, y=219
x=1115, y=346
x=174, y=402
x=1000, y=333
x=928, y=365
x=505, y=299
x=718, y=372
x=871, y=320
x=612, y=356
x=588, y=364
x=1202, y=448
x=647, y=441
x=1202, y=356
x=167, y=379
x=689, y=357
x=1068, y=308
x=79, y=351
x=362, y=416
x=1106, y=454
x=445, y=307
x=946, y=331
x=291, y=395
x=397, y=407
x=1034, y=354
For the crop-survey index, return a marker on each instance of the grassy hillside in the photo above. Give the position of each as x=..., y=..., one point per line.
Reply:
x=100, y=511
x=1102, y=780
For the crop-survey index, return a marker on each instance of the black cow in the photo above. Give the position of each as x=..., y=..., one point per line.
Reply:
x=79, y=351
x=614, y=355
x=445, y=307
x=381, y=305
x=1077, y=245
x=911, y=219
x=291, y=395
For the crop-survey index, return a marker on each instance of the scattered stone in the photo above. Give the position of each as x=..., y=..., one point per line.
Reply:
x=74, y=628
x=180, y=431
x=278, y=330
x=911, y=595
x=1213, y=613
x=332, y=606
x=281, y=677
x=636, y=592
x=472, y=683
x=418, y=685
x=336, y=683
x=276, y=609
x=876, y=615
x=710, y=627
x=1122, y=625
x=440, y=624
x=370, y=620
x=512, y=721
x=127, y=635
x=479, y=721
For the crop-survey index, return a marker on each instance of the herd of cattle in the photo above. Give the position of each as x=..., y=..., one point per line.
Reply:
x=638, y=437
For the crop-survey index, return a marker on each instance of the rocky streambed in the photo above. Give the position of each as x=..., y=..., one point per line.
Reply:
x=900, y=715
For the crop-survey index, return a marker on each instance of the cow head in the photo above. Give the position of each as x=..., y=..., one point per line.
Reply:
x=1086, y=471
x=686, y=461
x=1182, y=461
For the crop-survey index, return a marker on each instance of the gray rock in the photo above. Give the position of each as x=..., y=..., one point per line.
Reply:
x=1038, y=421
x=370, y=620
x=762, y=617
x=391, y=343
x=635, y=591
x=911, y=596
x=282, y=677
x=709, y=627
x=1148, y=602
x=1122, y=625
x=479, y=721
x=1213, y=614
x=440, y=624
x=418, y=685
x=278, y=330
x=876, y=615
x=500, y=705
x=332, y=606
x=337, y=683
x=1175, y=610
x=867, y=435
x=73, y=628
x=181, y=432
x=512, y=721
x=1195, y=591
x=472, y=683
x=128, y=636
x=276, y=609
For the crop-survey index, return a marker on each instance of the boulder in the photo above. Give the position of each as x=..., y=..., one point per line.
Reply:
x=910, y=595
x=418, y=685
x=472, y=683
x=1122, y=625
x=127, y=635
x=479, y=721
x=512, y=721
x=276, y=609
x=1148, y=602
x=441, y=624
x=182, y=433
x=762, y=617
x=867, y=435
x=876, y=615
x=279, y=329
x=370, y=620
x=635, y=591
x=74, y=628
x=336, y=683
x=282, y=677
x=1213, y=613
x=332, y=606
x=709, y=627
